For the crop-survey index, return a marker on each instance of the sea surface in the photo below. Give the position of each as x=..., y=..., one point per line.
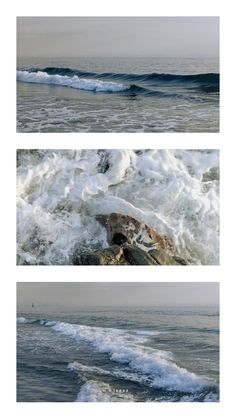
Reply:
x=117, y=95
x=60, y=193
x=157, y=354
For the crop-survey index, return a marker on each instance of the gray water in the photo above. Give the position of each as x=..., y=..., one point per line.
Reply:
x=150, y=107
x=125, y=354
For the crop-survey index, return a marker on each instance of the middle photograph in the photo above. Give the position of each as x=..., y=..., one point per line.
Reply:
x=117, y=207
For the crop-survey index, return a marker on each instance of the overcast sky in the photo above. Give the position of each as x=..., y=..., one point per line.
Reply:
x=117, y=37
x=71, y=295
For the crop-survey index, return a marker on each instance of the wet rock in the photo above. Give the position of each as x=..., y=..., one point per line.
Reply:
x=113, y=255
x=212, y=174
x=180, y=260
x=127, y=254
x=131, y=243
x=136, y=256
x=162, y=258
x=124, y=229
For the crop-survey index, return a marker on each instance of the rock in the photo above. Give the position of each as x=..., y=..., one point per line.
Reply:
x=124, y=229
x=180, y=260
x=113, y=255
x=127, y=254
x=162, y=258
x=212, y=174
x=136, y=256
x=131, y=243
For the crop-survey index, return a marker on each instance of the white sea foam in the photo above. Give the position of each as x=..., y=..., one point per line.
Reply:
x=50, y=323
x=59, y=194
x=155, y=367
x=77, y=366
x=93, y=391
x=115, y=372
x=75, y=82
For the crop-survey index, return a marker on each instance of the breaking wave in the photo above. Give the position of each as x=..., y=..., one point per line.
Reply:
x=143, y=364
x=118, y=82
x=74, y=82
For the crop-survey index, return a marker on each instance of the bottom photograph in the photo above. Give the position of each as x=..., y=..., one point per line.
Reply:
x=118, y=342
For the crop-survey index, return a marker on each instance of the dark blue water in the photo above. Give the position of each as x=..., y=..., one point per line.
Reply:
x=147, y=354
x=145, y=95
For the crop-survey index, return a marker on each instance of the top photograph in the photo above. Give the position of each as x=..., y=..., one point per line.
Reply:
x=118, y=74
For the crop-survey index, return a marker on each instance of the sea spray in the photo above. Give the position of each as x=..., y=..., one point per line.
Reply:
x=60, y=193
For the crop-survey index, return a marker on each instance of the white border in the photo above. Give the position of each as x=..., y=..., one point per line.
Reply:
x=225, y=141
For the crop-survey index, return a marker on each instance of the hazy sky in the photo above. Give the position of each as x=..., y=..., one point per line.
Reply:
x=71, y=295
x=117, y=36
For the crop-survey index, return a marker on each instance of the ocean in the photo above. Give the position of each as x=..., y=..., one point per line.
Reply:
x=117, y=95
x=144, y=354
x=60, y=193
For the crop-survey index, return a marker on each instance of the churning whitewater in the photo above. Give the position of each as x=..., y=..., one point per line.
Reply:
x=61, y=192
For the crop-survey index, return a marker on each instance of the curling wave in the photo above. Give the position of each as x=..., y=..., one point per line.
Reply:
x=75, y=82
x=118, y=82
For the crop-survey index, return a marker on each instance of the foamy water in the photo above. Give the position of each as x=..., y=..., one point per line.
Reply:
x=60, y=192
x=156, y=367
x=145, y=361
x=75, y=82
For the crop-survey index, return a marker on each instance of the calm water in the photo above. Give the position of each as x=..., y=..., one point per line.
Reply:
x=138, y=354
x=118, y=95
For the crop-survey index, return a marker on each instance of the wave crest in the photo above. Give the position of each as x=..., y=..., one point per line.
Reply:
x=118, y=82
x=128, y=349
x=74, y=82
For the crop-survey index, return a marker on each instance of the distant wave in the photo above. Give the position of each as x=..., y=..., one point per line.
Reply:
x=22, y=320
x=42, y=322
x=117, y=82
